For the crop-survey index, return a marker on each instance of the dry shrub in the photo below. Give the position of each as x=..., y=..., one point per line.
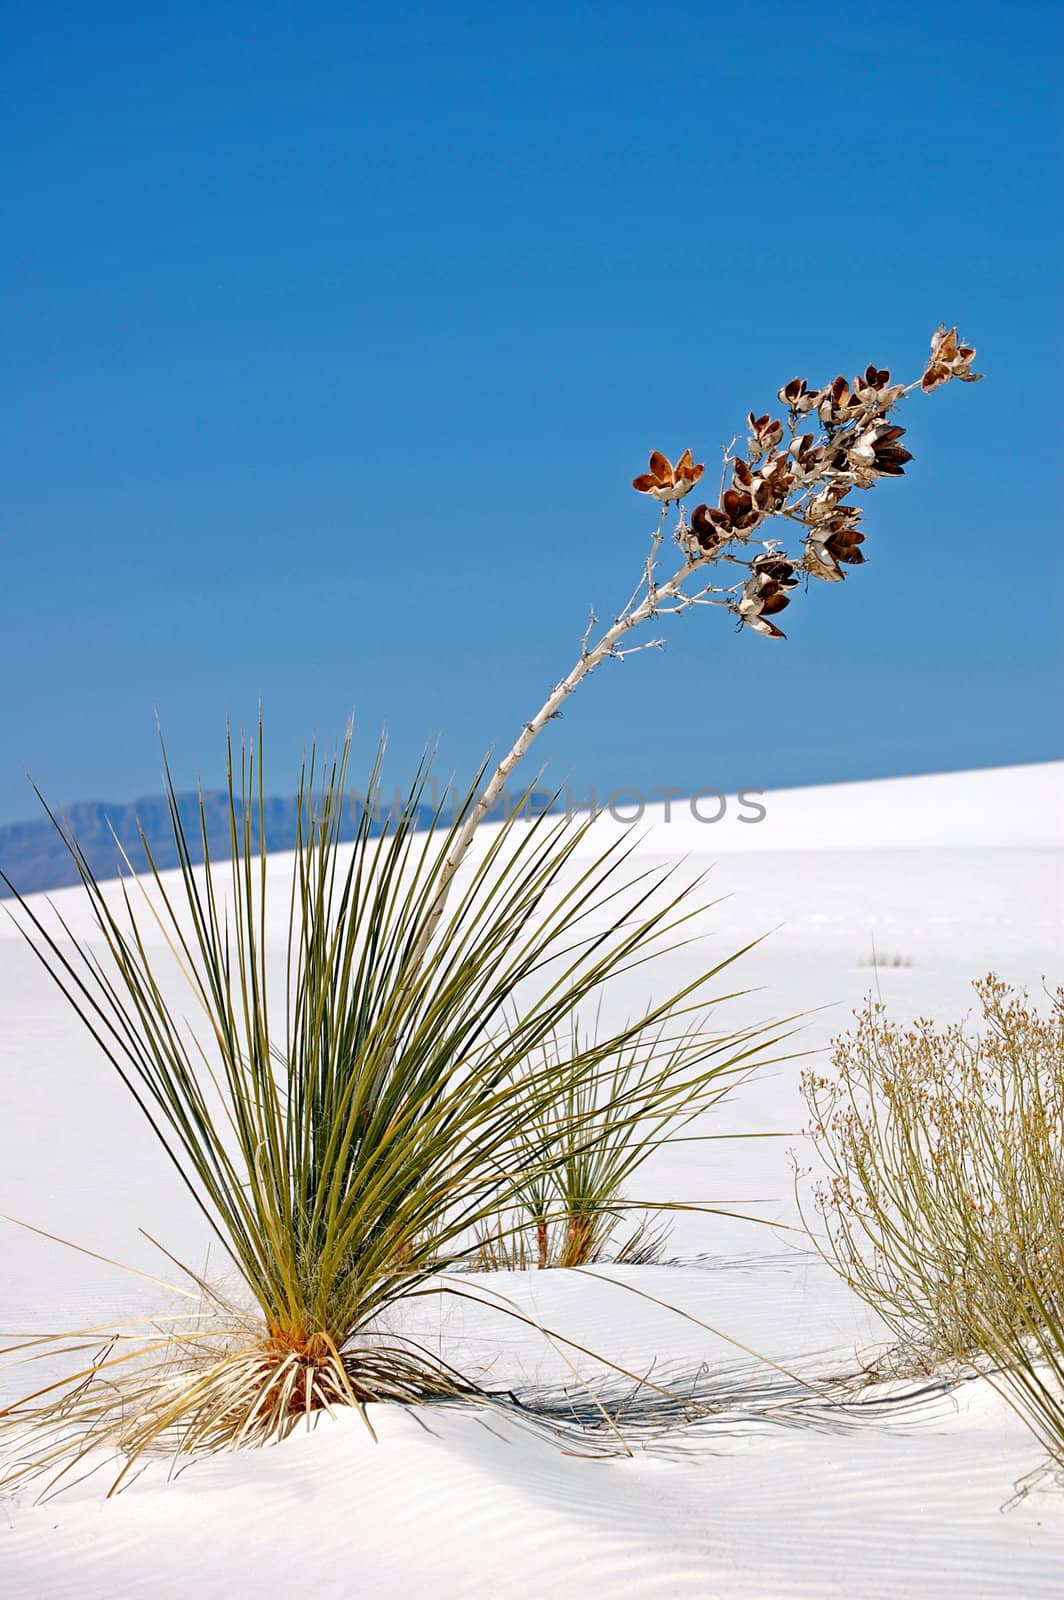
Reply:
x=944, y=1195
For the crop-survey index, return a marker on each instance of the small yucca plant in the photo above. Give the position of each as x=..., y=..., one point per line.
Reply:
x=575, y=1209
x=351, y=1125
x=944, y=1195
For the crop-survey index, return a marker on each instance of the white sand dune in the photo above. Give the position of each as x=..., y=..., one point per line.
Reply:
x=950, y=875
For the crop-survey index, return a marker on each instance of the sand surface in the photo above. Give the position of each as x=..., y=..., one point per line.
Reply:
x=949, y=876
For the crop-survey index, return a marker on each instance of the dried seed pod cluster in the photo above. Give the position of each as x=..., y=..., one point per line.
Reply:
x=802, y=475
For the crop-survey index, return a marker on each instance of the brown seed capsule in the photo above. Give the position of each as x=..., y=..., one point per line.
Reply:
x=666, y=482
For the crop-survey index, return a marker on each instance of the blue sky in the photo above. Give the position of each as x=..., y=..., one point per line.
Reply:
x=333, y=337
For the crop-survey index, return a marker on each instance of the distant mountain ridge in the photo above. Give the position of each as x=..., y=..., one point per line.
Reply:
x=34, y=857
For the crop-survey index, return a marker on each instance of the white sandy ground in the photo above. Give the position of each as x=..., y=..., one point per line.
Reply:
x=954, y=874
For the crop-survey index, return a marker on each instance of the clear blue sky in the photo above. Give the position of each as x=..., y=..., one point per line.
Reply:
x=333, y=336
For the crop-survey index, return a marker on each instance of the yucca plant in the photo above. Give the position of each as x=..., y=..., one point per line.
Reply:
x=575, y=1209
x=349, y=1142
x=944, y=1194
x=608, y=1130
x=350, y=1125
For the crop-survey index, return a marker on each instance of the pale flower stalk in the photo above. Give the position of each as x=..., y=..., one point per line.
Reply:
x=796, y=477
